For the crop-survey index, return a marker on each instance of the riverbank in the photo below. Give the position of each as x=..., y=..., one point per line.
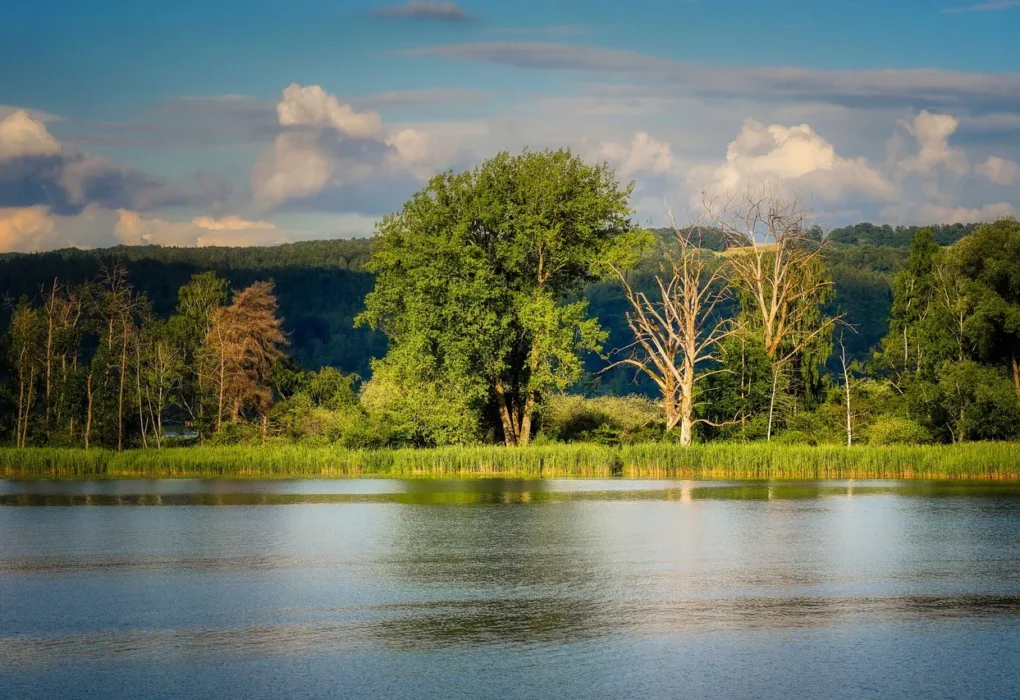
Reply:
x=995, y=461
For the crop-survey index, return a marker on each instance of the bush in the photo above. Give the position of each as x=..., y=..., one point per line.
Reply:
x=893, y=430
x=236, y=434
x=607, y=420
x=421, y=413
x=794, y=437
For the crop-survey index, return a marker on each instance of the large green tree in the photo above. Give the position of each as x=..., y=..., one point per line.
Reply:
x=476, y=274
x=990, y=260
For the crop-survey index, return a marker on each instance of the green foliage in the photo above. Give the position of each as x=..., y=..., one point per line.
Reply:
x=321, y=286
x=894, y=430
x=604, y=419
x=898, y=237
x=473, y=273
x=420, y=411
x=988, y=259
x=645, y=460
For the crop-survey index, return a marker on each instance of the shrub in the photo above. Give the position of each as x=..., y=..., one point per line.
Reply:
x=795, y=437
x=608, y=420
x=893, y=430
x=421, y=413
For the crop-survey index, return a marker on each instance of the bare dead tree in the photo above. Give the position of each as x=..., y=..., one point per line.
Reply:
x=777, y=265
x=850, y=382
x=678, y=331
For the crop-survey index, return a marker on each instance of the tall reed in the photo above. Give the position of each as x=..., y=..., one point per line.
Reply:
x=652, y=460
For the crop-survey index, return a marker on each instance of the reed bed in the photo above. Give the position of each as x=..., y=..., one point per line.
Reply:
x=742, y=461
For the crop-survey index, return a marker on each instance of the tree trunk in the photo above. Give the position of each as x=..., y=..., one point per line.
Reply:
x=686, y=431
x=28, y=408
x=88, y=410
x=1016, y=375
x=223, y=383
x=138, y=392
x=772, y=403
x=687, y=402
x=49, y=353
x=524, y=438
x=849, y=419
x=906, y=350
x=21, y=397
x=509, y=434
x=120, y=395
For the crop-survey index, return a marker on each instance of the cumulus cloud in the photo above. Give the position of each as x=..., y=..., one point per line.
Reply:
x=21, y=135
x=643, y=155
x=424, y=9
x=313, y=106
x=998, y=170
x=26, y=229
x=793, y=156
x=292, y=169
x=932, y=132
x=37, y=170
x=327, y=145
x=413, y=147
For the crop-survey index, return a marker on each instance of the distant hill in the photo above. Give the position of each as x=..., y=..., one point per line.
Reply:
x=898, y=237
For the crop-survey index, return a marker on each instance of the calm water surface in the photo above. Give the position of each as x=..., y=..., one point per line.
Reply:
x=502, y=588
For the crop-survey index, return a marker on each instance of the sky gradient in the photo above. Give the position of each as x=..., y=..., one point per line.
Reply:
x=203, y=123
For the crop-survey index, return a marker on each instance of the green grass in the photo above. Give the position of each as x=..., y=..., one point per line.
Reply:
x=654, y=460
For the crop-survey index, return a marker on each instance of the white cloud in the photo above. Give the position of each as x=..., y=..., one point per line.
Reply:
x=935, y=213
x=293, y=168
x=26, y=229
x=313, y=106
x=932, y=132
x=794, y=156
x=999, y=170
x=230, y=223
x=336, y=147
x=134, y=229
x=413, y=146
x=21, y=135
x=644, y=154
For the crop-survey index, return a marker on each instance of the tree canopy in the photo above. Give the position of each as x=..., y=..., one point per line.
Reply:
x=474, y=278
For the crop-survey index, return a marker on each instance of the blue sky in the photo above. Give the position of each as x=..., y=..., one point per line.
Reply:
x=256, y=122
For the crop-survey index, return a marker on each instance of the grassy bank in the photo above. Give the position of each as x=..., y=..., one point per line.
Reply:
x=654, y=460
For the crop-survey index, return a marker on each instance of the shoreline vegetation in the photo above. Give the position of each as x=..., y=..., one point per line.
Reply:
x=533, y=329
x=732, y=461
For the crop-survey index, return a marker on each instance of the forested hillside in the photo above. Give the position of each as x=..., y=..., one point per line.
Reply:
x=321, y=287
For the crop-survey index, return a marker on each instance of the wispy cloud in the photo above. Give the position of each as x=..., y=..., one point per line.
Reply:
x=420, y=98
x=886, y=87
x=553, y=30
x=988, y=6
x=442, y=10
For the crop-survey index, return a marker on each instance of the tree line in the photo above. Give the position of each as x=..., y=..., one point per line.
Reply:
x=730, y=326
x=90, y=364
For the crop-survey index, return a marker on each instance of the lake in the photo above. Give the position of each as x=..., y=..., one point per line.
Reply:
x=369, y=588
